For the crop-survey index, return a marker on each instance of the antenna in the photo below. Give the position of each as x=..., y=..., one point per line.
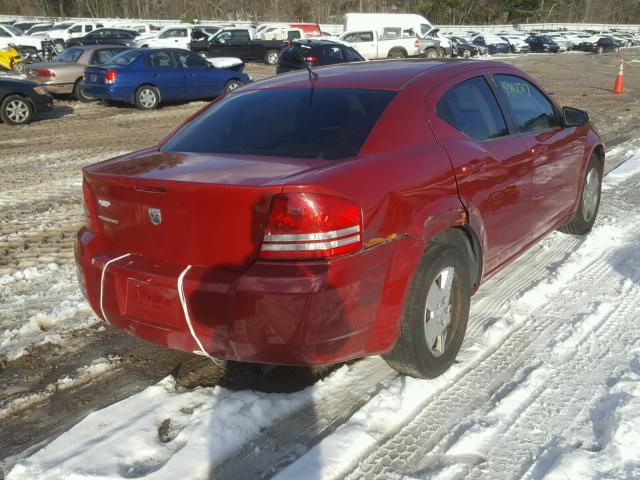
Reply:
x=312, y=75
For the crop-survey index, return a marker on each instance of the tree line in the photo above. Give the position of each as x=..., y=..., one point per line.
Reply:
x=443, y=12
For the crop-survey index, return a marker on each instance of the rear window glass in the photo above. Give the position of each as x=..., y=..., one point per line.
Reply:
x=323, y=123
x=125, y=58
x=69, y=55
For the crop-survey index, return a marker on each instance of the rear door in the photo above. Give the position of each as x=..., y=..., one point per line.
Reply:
x=364, y=43
x=556, y=152
x=490, y=161
x=164, y=72
x=240, y=45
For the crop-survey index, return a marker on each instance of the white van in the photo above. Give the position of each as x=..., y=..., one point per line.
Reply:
x=381, y=21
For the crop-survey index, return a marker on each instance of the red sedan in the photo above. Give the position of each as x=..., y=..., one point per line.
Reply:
x=305, y=220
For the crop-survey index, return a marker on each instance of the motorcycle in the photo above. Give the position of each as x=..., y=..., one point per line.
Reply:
x=11, y=59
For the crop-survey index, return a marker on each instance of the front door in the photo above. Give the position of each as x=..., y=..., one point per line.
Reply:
x=202, y=80
x=556, y=152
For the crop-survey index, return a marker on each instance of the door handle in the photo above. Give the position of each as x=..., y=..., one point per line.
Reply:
x=473, y=166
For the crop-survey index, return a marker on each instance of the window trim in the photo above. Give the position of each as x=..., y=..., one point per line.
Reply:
x=503, y=100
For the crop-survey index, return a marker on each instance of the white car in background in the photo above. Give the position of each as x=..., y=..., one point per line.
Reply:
x=517, y=43
x=10, y=35
x=563, y=42
x=65, y=31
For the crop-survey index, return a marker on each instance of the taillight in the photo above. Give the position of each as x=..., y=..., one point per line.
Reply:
x=110, y=77
x=311, y=59
x=311, y=225
x=45, y=73
x=88, y=204
x=416, y=43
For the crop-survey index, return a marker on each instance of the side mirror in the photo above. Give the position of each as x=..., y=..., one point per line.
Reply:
x=574, y=117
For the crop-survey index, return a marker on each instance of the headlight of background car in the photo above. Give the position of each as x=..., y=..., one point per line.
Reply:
x=40, y=90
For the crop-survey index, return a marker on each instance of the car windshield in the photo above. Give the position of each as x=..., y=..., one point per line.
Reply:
x=16, y=31
x=327, y=123
x=70, y=55
x=125, y=58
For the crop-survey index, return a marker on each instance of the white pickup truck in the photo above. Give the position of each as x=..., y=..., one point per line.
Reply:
x=370, y=45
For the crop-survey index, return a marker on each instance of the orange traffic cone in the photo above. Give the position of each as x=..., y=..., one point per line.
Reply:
x=618, y=87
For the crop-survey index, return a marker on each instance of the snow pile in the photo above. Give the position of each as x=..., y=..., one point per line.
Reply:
x=165, y=432
x=40, y=305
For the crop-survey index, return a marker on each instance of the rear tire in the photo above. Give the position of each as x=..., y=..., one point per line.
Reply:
x=396, y=54
x=599, y=51
x=79, y=94
x=436, y=314
x=441, y=53
x=232, y=85
x=147, y=97
x=271, y=57
x=589, y=203
x=16, y=110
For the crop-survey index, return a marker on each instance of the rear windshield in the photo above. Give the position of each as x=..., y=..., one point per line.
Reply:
x=69, y=55
x=326, y=123
x=124, y=58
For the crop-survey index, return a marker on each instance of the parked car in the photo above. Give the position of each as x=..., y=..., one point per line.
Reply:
x=171, y=36
x=106, y=36
x=492, y=43
x=64, y=74
x=315, y=53
x=21, y=99
x=24, y=26
x=599, y=45
x=39, y=29
x=542, y=44
x=563, y=42
x=64, y=34
x=465, y=48
x=516, y=44
x=147, y=77
x=242, y=43
x=367, y=43
x=10, y=35
x=296, y=221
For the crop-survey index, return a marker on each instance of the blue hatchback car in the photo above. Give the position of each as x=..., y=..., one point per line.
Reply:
x=147, y=77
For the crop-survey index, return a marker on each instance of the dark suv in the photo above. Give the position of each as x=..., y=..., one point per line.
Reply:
x=106, y=36
x=315, y=53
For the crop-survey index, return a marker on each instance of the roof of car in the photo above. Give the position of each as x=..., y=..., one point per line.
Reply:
x=383, y=75
x=100, y=46
x=314, y=42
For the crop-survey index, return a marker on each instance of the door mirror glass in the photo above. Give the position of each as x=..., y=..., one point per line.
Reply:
x=574, y=117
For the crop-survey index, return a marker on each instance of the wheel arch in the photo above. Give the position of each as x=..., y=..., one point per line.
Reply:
x=398, y=49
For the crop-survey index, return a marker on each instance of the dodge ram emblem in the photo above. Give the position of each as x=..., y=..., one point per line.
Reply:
x=155, y=215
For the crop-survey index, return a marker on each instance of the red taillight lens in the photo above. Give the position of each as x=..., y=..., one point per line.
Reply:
x=416, y=43
x=311, y=225
x=110, y=77
x=45, y=73
x=311, y=59
x=89, y=205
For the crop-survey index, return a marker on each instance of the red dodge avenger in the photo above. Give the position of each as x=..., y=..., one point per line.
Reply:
x=308, y=220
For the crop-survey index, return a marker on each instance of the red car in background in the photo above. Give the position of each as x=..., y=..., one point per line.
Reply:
x=303, y=220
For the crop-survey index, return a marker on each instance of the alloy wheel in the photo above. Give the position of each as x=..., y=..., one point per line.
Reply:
x=17, y=111
x=437, y=315
x=147, y=98
x=590, y=194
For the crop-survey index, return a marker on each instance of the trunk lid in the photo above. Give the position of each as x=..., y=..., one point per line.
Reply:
x=94, y=75
x=194, y=209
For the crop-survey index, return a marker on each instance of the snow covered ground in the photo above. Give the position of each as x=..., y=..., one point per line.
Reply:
x=547, y=385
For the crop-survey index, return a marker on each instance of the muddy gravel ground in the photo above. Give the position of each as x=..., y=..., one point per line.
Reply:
x=57, y=377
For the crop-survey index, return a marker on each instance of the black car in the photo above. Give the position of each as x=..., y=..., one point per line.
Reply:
x=602, y=45
x=467, y=49
x=238, y=43
x=110, y=36
x=20, y=99
x=315, y=53
x=542, y=44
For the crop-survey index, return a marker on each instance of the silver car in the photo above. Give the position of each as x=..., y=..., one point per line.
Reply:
x=63, y=75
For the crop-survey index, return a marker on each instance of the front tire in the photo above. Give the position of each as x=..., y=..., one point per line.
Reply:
x=589, y=203
x=79, y=94
x=271, y=57
x=436, y=314
x=16, y=110
x=147, y=98
x=430, y=53
x=232, y=85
